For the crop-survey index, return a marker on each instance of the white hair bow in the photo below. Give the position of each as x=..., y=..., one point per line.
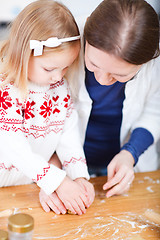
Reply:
x=50, y=42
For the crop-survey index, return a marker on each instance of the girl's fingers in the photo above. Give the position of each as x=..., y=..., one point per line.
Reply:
x=58, y=203
x=81, y=204
x=70, y=207
x=51, y=202
x=89, y=189
x=53, y=207
x=91, y=193
x=78, y=206
x=45, y=206
x=84, y=201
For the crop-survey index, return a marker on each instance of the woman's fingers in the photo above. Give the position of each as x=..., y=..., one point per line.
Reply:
x=121, y=187
x=120, y=173
x=114, y=181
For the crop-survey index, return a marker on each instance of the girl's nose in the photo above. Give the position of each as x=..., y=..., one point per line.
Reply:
x=57, y=76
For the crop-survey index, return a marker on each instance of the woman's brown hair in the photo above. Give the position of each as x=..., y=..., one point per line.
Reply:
x=128, y=29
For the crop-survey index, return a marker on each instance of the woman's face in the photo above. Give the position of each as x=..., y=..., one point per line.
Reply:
x=107, y=68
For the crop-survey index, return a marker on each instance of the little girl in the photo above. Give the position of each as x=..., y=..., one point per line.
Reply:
x=37, y=116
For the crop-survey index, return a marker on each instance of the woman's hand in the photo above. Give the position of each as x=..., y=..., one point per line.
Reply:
x=51, y=201
x=88, y=187
x=120, y=174
x=73, y=196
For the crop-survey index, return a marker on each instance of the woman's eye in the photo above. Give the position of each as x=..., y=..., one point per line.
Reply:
x=119, y=77
x=93, y=65
x=65, y=69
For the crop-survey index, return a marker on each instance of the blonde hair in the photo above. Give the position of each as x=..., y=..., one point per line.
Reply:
x=40, y=20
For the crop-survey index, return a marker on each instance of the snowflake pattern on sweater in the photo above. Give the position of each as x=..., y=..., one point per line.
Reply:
x=42, y=124
x=47, y=111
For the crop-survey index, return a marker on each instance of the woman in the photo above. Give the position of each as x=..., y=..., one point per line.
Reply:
x=120, y=108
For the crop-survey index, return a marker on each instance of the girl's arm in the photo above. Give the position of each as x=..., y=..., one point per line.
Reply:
x=70, y=150
x=15, y=149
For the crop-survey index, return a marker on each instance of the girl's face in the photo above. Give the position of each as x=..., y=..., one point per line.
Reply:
x=107, y=68
x=51, y=67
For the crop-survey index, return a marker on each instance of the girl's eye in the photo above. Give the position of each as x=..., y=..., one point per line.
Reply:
x=48, y=70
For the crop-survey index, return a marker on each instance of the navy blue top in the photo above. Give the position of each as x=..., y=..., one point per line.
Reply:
x=139, y=141
x=102, y=141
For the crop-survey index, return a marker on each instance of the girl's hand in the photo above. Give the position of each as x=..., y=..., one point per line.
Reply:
x=51, y=202
x=73, y=196
x=88, y=187
x=120, y=174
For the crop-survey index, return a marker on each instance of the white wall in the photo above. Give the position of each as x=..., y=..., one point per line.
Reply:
x=155, y=4
x=81, y=7
x=10, y=8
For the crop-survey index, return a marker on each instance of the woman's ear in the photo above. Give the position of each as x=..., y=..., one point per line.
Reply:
x=87, y=19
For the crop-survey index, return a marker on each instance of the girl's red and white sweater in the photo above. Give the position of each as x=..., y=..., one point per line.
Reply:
x=32, y=130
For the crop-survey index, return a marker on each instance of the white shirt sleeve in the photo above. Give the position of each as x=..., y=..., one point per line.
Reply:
x=70, y=150
x=150, y=116
x=15, y=150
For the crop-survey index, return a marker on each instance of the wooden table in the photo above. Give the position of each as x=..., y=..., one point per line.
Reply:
x=116, y=218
